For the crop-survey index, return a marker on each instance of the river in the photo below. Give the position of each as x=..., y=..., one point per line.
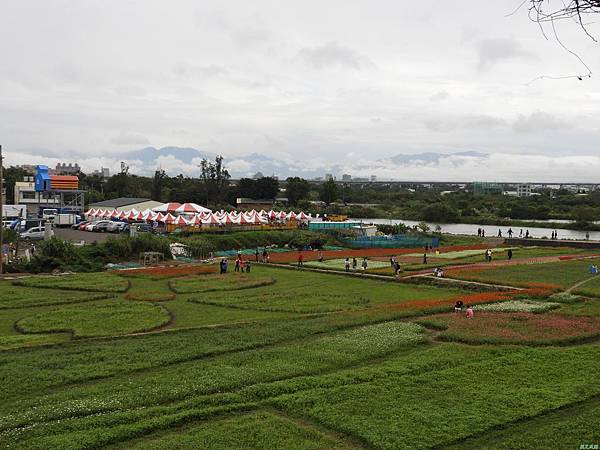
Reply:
x=491, y=230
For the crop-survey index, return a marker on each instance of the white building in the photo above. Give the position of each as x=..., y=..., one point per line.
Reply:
x=524, y=190
x=25, y=194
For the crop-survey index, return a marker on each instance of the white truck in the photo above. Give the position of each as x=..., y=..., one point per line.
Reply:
x=64, y=220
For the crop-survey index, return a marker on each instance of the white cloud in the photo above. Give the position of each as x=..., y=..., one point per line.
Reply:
x=333, y=54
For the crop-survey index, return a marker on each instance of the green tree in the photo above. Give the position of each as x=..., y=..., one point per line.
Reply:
x=214, y=178
x=296, y=189
x=329, y=192
x=158, y=183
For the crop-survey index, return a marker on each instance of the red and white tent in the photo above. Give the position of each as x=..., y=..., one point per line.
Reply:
x=169, y=218
x=167, y=207
x=302, y=216
x=158, y=217
x=114, y=214
x=191, y=208
x=180, y=221
x=211, y=220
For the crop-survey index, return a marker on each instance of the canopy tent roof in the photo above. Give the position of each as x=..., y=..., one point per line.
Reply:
x=191, y=208
x=167, y=207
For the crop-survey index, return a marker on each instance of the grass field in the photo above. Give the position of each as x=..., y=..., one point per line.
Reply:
x=559, y=275
x=292, y=359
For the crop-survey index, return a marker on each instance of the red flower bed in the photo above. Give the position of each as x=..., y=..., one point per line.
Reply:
x=490, y=327
x=468, y=299
x=368, y=252
x=168, y=272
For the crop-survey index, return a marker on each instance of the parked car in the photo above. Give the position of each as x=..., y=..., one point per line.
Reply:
x=84, y=226
x=142, y=227
x=77, y=226
x=89, y=226
x=33, y=234
x=118, y=227
x=101, y=226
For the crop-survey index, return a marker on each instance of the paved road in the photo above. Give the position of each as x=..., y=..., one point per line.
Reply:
x=78, y=236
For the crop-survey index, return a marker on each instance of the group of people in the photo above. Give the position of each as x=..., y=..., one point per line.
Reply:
x=438, y=272
x=241, y=265
x=264, y=257
x=458, y=306
x=347, y=264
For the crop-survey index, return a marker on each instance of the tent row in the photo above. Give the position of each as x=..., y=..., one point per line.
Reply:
x=197, y=219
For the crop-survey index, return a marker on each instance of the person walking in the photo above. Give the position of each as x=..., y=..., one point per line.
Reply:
x=347, y=264
x=264, y=255
x=354, y=263
x=478, y=232
x=320, y=256
x=396, y=268
x=587, y=235
x=527, y=234
x=499, y=232
x=365, y=264
x=521, y=233
x=300, y=259
x=482, y=233
x=510, y=232
x=248, y=266
x=424, y=258
x=222, y=266
x=237, y=264
x=509, y=254
x=256, y=254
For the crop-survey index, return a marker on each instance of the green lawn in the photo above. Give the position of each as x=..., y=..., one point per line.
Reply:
x=561, y=274
x=293, y=359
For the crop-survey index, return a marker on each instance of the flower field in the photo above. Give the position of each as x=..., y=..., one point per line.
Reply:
x=181, y=357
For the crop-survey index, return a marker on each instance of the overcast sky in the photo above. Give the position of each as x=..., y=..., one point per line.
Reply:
x=344, y=82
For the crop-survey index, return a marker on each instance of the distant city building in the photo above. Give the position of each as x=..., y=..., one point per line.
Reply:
x=329, y=176
x=524, y=190
x=67, y=169
x=482, y=187
x=360, y=179
x=346, y=177
x=104, y=172
x=29, y=168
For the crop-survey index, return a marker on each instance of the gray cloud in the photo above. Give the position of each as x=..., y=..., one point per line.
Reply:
x=439, y=96
x=491, y=51
x=333, y=54
x=130, y=139
x=537, y=122
x=468, y=121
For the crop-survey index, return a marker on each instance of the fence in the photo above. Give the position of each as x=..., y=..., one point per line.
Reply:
x=394, y=241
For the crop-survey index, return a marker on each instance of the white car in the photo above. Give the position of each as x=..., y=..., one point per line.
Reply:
x=90, y=226
x=33, y=234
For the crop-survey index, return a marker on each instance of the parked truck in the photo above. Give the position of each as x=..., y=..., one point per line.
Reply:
x=65, y=220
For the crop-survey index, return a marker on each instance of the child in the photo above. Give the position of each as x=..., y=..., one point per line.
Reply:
x=458, y=306
x=469, y=312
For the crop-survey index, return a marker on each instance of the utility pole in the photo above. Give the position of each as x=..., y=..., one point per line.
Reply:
x=1, y=212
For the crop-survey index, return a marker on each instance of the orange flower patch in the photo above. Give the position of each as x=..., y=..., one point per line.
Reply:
x=468, y=299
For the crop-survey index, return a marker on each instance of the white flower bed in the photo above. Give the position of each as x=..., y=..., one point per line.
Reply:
x=518, y=306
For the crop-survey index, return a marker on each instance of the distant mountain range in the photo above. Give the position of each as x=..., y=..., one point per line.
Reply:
x=175, y=160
